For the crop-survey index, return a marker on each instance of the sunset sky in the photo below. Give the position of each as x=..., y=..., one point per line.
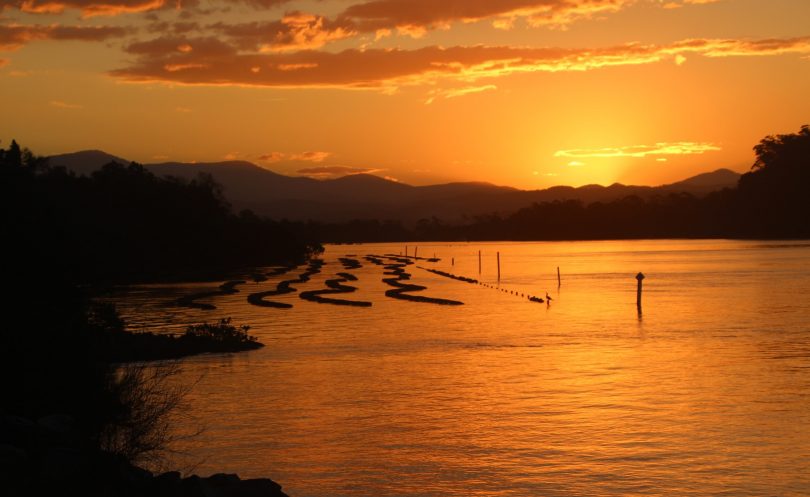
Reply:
x=524, y=93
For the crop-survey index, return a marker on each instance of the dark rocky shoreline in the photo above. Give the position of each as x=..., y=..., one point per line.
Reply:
x=47, y=456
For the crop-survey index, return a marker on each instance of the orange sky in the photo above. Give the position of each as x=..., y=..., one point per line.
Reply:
x=526, y=93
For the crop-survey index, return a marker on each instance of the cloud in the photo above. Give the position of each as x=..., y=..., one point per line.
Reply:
x=458, y=92
x=4, y=62
x=298, y=67
x=213, y=62
x=415, y=16
x=88, y=8
x=314, y=156
x=335, y=171
x=264, y=4
x=311, y=156
x=178, y=28
x=64, y=105
x=13, y=37
x=306, y=31
x=272, y=157
x=681, y=3
x=193, y=49
x=295, y=31
x=183, y=67
x=469, y=90
x=740, y=48
x=372, y=68
x=639, y=151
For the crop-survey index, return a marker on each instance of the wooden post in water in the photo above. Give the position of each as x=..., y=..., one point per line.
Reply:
x=499, y=266
x=406, y=251
x=559, y=281
x=639, y=278
x=415, y=251
x=453, y=261
x=479, y=262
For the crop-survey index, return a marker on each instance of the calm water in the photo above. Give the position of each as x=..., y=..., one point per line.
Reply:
x=707, y=394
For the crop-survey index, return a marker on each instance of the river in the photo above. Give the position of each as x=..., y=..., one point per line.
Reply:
x=707, y=392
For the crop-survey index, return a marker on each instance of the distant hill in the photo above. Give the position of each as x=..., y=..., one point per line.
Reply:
x=86, y=161
x=715, y=180
x=365, y=196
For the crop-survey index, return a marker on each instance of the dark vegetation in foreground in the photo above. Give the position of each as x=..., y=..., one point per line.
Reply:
x=771, y=201
x=73, y=420
x=123, y=346
x=79, y=417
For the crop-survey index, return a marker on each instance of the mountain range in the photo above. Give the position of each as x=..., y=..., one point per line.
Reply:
x=364, y=196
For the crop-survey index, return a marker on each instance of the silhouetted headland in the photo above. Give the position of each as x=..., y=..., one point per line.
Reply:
x=77, y=417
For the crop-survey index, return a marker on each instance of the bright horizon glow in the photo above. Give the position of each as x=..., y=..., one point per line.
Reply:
x=524, y=93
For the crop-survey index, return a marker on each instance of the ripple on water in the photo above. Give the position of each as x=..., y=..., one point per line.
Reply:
x=706, y=394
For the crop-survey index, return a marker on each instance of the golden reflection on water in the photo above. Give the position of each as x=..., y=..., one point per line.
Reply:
x=705, y=395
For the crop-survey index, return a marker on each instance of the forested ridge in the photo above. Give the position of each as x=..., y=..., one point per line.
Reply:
x=772, y=201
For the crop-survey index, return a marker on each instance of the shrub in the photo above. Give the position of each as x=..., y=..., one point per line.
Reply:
x=148, y=400
x=223, y=332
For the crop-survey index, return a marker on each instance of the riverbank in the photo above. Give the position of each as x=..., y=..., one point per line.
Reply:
x=53, y=454
x=48, y=456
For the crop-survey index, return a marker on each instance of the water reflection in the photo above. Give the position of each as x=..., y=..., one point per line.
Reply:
x=703, y=394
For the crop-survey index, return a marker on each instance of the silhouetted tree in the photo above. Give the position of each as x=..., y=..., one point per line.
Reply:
x=783, y=152
x=775, y=196
x=13, y=156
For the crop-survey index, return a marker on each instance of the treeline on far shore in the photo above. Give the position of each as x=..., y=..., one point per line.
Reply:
x=771, y=201
x=124, y=224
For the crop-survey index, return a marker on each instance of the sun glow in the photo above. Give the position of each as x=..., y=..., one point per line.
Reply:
x=509, y=90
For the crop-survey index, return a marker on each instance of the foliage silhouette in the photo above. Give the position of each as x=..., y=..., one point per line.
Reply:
x=123, y=346
x=774, y=196
x=141, y=430
x=65, y=237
